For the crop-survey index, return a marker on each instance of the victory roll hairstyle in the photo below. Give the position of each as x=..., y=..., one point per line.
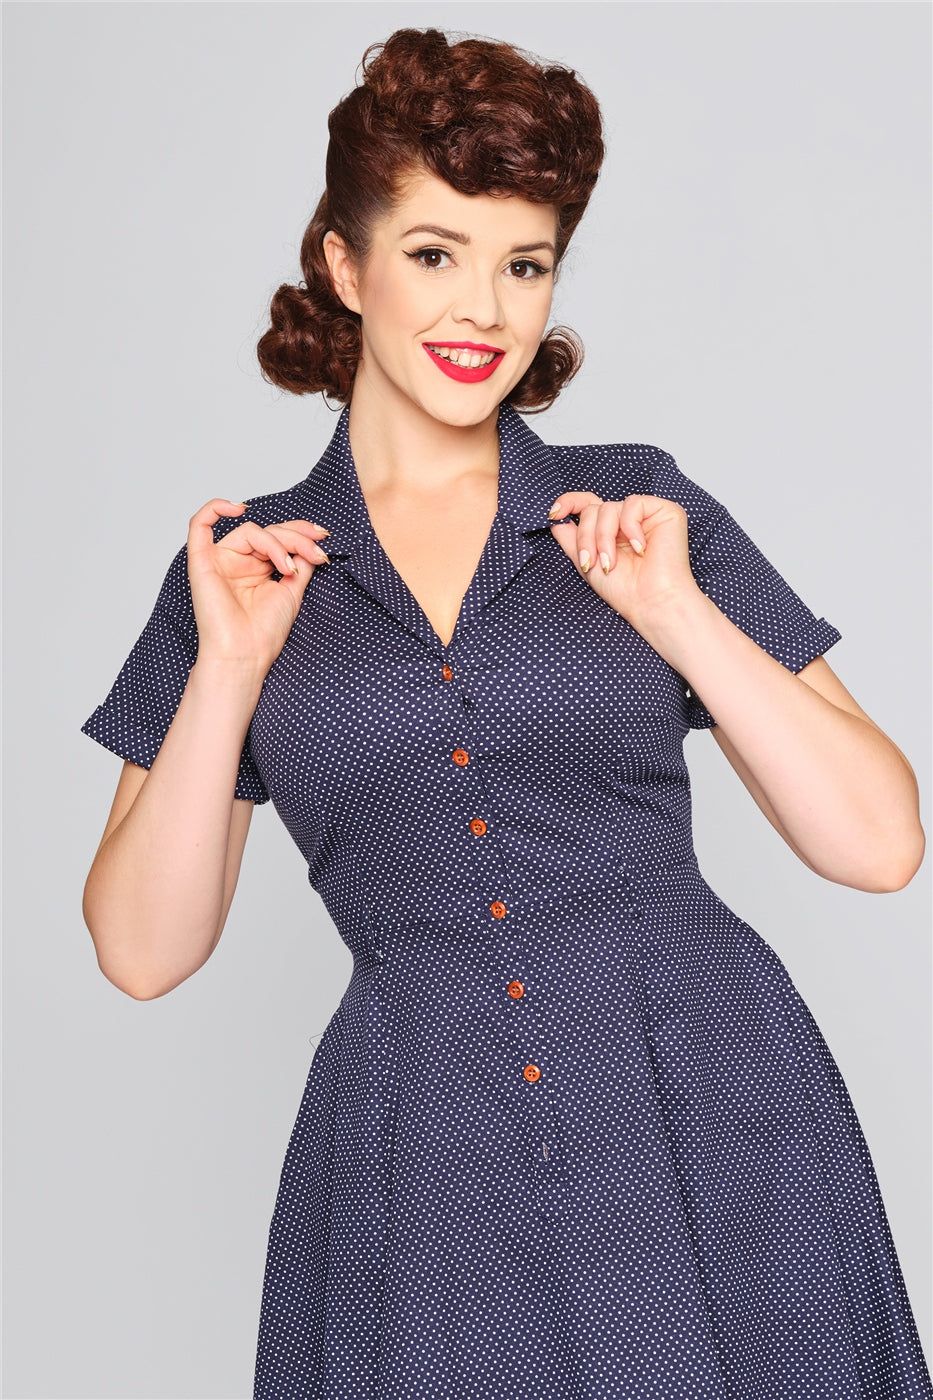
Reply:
x=483, y=116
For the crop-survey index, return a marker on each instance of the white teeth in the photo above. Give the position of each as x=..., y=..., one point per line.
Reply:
x=471, y=359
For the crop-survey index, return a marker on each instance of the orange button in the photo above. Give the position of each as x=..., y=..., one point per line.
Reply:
x=516, y=989
x=497, y=909
x=531, y=1073
x=478, y=826
x=447, y=673
x=460, y=757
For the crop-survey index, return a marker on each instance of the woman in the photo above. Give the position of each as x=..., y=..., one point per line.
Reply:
x=571, y=1131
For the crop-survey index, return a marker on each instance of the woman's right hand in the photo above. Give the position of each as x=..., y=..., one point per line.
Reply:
x=243, y=614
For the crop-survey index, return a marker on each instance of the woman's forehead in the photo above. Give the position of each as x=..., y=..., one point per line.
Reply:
x=430, y=205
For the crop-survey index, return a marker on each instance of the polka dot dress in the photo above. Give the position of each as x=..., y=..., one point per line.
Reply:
x=571, y=1133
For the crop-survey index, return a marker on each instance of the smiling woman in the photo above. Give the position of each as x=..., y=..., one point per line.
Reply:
x=571, y=1132
x=423, y=311
x=415, y=299
x=485, y=121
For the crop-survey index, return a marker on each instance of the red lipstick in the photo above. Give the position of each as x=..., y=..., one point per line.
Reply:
x=464, y=373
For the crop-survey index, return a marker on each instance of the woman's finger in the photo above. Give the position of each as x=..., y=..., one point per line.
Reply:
x=642, y=513
x=295, y=583
x=621, y=524
x=571, y=503
x=586, y=530
x=605, y=526
x=304, y=527
x=635, y=510
x=299, y=543
x=587, y=506
x=201, y=525
x=565, y=533
x=607, y=529
x=260, y=542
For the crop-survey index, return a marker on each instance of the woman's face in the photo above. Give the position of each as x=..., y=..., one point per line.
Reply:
x=454, y=300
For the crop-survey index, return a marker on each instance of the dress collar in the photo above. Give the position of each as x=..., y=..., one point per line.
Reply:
x=528, y=483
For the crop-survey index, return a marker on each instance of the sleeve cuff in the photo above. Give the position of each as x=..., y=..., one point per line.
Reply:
x=138, y=746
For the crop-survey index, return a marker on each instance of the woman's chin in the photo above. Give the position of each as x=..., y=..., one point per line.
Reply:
x=465, y=415
x=465, y=406
x=448, y=402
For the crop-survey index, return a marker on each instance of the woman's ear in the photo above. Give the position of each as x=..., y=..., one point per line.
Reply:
x=342, y=270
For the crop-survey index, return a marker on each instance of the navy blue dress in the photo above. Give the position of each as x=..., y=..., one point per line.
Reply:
x=571, y=1132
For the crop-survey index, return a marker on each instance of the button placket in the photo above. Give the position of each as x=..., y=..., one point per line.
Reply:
x=475, y=825
x=516, y=1003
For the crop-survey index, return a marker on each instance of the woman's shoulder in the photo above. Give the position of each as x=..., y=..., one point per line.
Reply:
x=269, y=508
x=614, y=470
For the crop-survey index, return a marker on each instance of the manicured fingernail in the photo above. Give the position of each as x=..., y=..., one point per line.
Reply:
x=326, y=532
x=240, y=503
x=604, y=560
x=584, y=560
x=324, y=558
x=637, y=545
x=553, y=513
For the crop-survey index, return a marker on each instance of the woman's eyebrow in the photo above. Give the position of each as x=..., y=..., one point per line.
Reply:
x=453, y=237
x=447, y=233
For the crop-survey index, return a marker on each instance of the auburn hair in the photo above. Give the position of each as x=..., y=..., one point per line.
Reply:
x=482, y=115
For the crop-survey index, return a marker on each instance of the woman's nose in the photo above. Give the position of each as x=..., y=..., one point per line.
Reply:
x=479, y=303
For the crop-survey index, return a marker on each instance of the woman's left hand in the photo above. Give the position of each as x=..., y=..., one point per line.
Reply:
x=633, y=553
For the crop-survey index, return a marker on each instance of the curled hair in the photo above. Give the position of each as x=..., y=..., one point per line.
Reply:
x=484, y=117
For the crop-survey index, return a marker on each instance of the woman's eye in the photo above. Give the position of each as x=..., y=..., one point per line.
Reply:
x=524, y=270
x=431, y=259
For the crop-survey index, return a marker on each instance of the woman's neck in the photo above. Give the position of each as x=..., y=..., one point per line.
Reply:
x=403, y=448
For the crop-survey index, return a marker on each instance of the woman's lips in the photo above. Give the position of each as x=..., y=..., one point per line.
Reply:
x=464, y=351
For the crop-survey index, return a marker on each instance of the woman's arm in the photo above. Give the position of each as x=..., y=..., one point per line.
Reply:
x=835, y=787
x=130, y=782
x=161, y=883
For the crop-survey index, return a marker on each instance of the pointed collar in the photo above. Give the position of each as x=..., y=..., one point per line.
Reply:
x=528, y=483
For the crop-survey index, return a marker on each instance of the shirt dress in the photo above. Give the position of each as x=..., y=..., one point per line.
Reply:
x=571, y=1133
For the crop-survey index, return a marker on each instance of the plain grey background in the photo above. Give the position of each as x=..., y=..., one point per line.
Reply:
x=753, y=287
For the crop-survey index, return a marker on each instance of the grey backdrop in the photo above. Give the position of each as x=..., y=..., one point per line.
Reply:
x=753, y=287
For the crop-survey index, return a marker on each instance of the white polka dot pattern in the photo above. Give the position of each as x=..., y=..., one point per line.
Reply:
x=571, y=1132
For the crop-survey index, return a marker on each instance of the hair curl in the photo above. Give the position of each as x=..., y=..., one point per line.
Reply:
x=483, y=116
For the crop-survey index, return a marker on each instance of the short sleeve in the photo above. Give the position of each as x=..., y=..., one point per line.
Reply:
x=135, y=717
x=732, y=571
